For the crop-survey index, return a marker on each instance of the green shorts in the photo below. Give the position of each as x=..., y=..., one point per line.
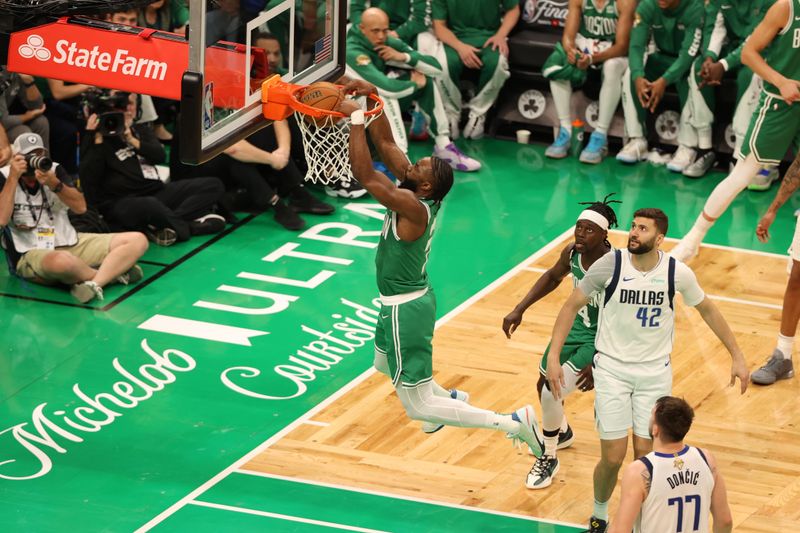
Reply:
x=405, y=334
x=577, y=353
x=774, y=127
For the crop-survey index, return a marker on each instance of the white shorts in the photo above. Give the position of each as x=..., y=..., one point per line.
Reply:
x=794, y=251
x=625, y=394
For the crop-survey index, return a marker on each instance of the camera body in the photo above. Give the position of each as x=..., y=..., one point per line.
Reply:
x=109, y=108
x=38, y=162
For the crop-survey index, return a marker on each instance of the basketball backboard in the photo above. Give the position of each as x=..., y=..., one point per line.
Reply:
x=231, y=53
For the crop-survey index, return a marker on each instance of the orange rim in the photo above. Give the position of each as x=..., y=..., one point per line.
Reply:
x=300, y=107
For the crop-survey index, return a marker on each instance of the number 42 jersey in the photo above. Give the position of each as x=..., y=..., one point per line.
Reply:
x=636, y=323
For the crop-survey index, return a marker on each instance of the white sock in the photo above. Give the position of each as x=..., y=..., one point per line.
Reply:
x=600, y=510
x=561, y=90
x=442, y=141
x=704, y=138
x=785, y=346
x=722, y=196
x=421, y=403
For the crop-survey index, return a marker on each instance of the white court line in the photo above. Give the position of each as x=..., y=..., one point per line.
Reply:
x=407, y=498
x=315, y=423
x=345, y=389
x=718, y=246
x=744, y=302
x=287, y=517
x=535, y=269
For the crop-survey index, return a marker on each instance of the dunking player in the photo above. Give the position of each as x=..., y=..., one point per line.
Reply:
x=591, y=232
x=403, y=341
x=634, y=341
x=776, y=124
x=674, y=487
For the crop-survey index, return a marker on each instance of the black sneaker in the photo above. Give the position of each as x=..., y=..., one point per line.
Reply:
x=162, y=237
x=565, y=438
x=351, y=190
x=305, y=202
x=542, y=472
x=597, y=526
x=286, y=216
x=207, y=224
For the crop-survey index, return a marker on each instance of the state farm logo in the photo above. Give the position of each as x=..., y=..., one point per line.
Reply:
x=118, y=61
x=34, y=47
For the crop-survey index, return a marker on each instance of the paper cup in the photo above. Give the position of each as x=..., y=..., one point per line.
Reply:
x=523, y=136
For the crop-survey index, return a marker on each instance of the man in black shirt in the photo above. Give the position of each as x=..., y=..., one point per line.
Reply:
x=119, y=176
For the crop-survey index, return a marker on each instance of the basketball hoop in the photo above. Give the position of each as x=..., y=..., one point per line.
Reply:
x=326, y=139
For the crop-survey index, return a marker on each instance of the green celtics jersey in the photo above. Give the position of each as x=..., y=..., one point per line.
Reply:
x=401, y=265
x=783, y=53
x=676, y=33
x=477, y=18
x=600, y=24
x=586, y=319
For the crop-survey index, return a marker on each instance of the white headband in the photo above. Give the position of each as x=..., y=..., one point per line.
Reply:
x=594, y=216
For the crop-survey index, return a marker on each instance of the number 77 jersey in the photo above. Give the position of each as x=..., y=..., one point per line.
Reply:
x=637, y=313
x=679, y=498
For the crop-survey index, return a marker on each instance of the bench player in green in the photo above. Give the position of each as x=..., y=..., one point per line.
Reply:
x=675, y=27
x=772, y=52
x=475, y=35
x=590, y=244
x=595, y=35
x=728, y=24
x=404, y=334
x=370, y=54
x=407, y=18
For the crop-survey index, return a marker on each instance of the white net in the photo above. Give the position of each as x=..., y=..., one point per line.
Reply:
x=326, y=143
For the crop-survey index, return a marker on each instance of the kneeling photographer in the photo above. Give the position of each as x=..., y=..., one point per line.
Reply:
x=40, y=243
x=119, y=176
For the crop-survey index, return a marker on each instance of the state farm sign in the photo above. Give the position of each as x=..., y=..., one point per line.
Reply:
x=105, y=58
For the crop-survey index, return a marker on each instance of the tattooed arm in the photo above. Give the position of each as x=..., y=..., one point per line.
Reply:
x=634, y=489
x=790, y=183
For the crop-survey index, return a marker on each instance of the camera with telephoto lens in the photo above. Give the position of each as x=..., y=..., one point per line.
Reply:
x=38, y=162
x=109, y=108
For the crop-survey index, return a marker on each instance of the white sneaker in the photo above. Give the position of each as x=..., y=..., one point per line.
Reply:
x=528, y=430
x=634, y=151
x=87, y=291
x=685, y=251
x=542, y=472
x=763, y=180
x=474, y=126
x=684, y=156
x=433, y=427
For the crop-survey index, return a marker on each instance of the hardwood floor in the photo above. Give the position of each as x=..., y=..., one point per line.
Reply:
x=369, y=443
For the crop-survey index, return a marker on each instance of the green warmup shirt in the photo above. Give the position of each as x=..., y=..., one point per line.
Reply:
x=474, y=19
x=782, y=54
x=365, y=61
x=401, y=265
x=407, y=17
x=676, y=33
x=600, y=24
x=739, y=18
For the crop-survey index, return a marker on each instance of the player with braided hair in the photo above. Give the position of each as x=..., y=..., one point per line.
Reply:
x=591, y=243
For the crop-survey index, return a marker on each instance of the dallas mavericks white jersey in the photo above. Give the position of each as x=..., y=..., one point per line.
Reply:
x=636, y=323
x=679, y=499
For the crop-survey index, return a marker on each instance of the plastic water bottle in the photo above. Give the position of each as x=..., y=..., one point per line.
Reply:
x=576, y=142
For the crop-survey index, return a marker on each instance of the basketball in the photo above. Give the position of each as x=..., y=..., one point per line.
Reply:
x=322, y=95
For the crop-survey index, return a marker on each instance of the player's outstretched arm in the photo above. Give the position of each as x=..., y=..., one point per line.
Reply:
x=719, y=326
x=790, y=183
x=546, y=284
x=555, y=374
x=633, y=490
x=774, y=21
x=401, y=201
x=720, y=510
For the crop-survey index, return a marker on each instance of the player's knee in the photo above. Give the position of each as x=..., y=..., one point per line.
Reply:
x=414, y=411
x=58, y=262
x=614, y=68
